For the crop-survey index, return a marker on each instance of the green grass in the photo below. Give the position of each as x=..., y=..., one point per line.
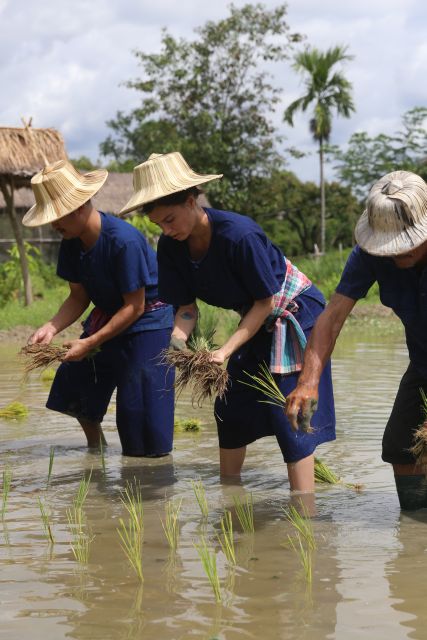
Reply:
x=14, y=313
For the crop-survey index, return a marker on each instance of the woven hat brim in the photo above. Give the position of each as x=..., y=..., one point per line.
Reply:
x=62, y=206
x=388, y=243
x=144, y=196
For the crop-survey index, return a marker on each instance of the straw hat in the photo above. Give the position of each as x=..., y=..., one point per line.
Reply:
x=162, y=175
x=59, y=189
x=395, y=219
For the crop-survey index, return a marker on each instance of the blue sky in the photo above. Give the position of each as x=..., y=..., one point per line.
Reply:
x=64, y=62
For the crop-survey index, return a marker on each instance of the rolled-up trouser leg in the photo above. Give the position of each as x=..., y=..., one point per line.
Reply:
x=412, y=491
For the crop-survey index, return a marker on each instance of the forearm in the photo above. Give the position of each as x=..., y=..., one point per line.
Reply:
x=185, y=321
x=70, y=310
x=121, y=320
x=248, y=327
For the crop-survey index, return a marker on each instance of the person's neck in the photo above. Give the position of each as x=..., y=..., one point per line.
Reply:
x=200, y=237
x=92, y=229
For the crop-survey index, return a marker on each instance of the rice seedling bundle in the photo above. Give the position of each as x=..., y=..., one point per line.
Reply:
x=45, y=516
x=323, y=474
x=48, y=375
x=208, y=560
x=192, y=425
x=245, y=512
x=227, y=540
x=265, y=383
x=41, y=355
x=301, y=522
x=131, y=499
x=171, y=523
x=419, y=448
x=51, y=459
x=194, y=365
x=200, y=493
x=81, y=538
x=131, y=542
x=14, y=411
x=7, y=483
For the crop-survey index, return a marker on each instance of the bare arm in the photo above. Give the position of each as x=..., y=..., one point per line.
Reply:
x=319, y=349
x=248, y=327
x=71, y=309
x=132, y=309
x=185, y=322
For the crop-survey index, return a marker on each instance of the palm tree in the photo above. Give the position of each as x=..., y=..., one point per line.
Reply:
x=327, y=90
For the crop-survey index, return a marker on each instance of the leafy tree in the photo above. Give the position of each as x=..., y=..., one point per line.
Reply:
x=327, y=90
x=83, y=163
x=211, y=99
x=287, y=209
x=367, y=158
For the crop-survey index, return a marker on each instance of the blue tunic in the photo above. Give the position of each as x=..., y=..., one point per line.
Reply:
x=403, y=290
x=121, y=261
x=242, y=265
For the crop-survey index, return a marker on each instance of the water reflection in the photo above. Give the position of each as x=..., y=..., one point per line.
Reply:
x=368, y=566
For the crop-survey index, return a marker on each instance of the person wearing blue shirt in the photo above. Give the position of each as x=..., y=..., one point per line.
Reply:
x=109, y=263
x=226, y=260
x=391, y=250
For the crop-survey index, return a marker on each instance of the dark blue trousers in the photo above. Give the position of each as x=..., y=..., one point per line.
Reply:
x=145, y=397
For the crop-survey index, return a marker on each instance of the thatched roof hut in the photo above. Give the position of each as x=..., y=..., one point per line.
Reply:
x=24, y=151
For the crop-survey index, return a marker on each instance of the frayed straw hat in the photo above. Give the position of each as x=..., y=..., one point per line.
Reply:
x=162, y=175
x=59, y=189
x=395, y=219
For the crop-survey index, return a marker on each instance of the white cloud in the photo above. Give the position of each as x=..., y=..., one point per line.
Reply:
x=63, y=61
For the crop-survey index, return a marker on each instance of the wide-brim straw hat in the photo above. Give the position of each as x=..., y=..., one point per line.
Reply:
x=395, y=219
x=161, y=175
x=59, y=189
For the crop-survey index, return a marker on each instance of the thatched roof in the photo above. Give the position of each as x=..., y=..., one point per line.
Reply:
x=24, y=151
x=111, y=198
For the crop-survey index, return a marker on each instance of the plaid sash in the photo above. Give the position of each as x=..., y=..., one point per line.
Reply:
x=98, y=318
x=288, y=343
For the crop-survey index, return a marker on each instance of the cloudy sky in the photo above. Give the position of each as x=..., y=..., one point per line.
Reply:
x=62, y=62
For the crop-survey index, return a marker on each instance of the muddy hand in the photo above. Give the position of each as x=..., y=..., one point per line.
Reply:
x=308, y=408
x=177, y=344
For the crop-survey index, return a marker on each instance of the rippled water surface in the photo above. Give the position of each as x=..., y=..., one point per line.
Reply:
x=368, y=569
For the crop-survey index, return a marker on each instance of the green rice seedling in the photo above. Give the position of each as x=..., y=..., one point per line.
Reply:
x=192, y=425
x=227, y=540
x=131, y=543
x=200, y=493
x=304, y=554
x=302, y=524
x=51, y=459
x=245, y=512
x=47, y=375
x=265, y=383
x=323, y=474
x=82, y=491
x=81, y=539
x=7, y=482
x=14, y=411
x=208, y=560
x=45, y=516
x=131, y=498
x=171, y=523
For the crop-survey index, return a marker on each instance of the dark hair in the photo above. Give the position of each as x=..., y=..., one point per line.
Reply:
x=179, y=197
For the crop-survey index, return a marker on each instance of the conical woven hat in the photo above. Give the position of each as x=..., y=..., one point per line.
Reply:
x=161, y=175
x=59, y=189
x=395, y=219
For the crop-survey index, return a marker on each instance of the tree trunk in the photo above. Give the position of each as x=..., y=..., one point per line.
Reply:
x=16, y=226
x=322, y=201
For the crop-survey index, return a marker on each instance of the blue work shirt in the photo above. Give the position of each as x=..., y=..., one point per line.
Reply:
x=121, y=261
x=403, y=290
x=241, y=265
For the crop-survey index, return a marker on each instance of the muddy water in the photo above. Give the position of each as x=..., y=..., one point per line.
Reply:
x=369, y=567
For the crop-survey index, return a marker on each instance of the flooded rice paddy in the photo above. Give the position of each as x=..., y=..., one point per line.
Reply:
x=369, y=568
